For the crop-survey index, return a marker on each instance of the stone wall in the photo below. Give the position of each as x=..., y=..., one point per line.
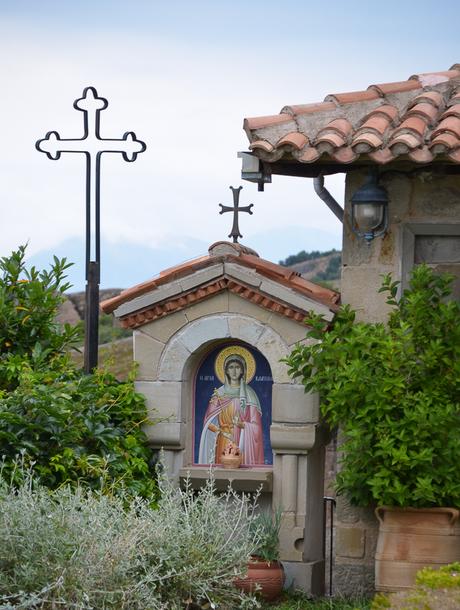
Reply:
x=426, y=204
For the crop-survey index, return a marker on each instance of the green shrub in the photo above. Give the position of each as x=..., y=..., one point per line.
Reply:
x=394, y=391
x=303, y=256
x=436, y=589
x=446, y=577
x=82, y=550
x=332, y=271
x=29, y=300
x=73, y=428
x=77, y=429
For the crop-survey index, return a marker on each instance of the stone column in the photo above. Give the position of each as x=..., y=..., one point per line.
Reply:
x=298, y=486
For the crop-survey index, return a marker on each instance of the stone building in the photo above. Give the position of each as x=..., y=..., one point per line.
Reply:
x=408, y=135
x=187, y=323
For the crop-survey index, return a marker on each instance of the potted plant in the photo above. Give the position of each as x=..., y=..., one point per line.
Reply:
x=265, y=573
x=394, y=391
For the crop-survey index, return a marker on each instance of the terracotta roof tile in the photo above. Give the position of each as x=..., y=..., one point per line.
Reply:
x=432, y=97
x=366, y=141
x=341, y=126
x=413, y=125
x=308, y=108
x=309, y=154
x=352, y=97
x=424, y=110
x=386, y=121
x=295, y=139
x=329, y=141
x=421, y=155
x=234, y=254
x=377, y=122
x=385, y=155
x=344, y=155
x=399, y=87
x=450, y=124
x=455, y=156
x=403, y=143
x=262, y=145
x=453, y=110
x=444, y=142
x=387, y=110
x=266, y=121
x=435, y=78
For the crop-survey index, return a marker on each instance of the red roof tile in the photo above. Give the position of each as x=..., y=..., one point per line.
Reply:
x=399, y=87
x=417, y=119
x=353, y=97
x=295, y=139
x=234, y=253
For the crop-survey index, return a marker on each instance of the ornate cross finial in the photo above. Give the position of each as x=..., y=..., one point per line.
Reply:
x=235, y=233
x=92, y=146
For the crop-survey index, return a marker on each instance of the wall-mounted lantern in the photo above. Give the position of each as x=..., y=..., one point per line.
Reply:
x=369, y=209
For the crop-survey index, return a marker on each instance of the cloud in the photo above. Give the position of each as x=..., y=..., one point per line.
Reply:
x=182, y=80
x=186, y=104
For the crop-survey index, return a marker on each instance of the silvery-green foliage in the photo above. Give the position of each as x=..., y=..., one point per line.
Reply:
x=81, y=550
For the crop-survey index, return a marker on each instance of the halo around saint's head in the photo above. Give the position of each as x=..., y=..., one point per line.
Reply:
x=237, y=350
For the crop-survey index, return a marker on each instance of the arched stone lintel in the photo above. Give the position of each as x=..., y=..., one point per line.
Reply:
x=190, y=340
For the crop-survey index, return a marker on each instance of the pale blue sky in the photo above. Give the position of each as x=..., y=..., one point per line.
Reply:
x=183, y=75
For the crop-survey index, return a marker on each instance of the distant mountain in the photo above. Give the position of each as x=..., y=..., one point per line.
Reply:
x=124, y=264
x=324, y=268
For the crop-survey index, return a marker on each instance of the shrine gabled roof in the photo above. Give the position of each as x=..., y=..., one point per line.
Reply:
x=417, y=120
x=231, y=267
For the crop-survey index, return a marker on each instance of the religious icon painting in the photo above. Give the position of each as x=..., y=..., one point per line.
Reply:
x=233, y=404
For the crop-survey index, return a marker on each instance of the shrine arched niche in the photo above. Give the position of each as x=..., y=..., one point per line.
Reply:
x=232, y=402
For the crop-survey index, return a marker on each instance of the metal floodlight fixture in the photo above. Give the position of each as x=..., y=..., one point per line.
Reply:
x=254, y=170
x=369, y=209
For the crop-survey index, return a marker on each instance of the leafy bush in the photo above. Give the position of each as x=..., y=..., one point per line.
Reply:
x=394, y=390
x=77, y=429
x=82, y=550
x=28, y=304
x=73, y=428
x=435, y=590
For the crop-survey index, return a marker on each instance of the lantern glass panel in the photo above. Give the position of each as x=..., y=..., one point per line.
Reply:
x=368, y=216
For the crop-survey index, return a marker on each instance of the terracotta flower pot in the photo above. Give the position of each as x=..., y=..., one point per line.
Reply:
x=264, y=577
x=411, y=539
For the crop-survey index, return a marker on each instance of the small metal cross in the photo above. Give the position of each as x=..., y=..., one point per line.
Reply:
x=92, y=146
x=235, y=233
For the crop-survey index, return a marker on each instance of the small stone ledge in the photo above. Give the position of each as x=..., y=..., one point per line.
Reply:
x=293, y=438
x=241, y=479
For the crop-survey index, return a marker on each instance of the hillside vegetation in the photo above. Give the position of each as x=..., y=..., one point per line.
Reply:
x=303, y=256
x=320, y=267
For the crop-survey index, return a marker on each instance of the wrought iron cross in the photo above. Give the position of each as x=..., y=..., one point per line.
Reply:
x=92, y=146
x=235, y=233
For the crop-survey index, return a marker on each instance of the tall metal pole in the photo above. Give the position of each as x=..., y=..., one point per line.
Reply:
x=93, y=146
